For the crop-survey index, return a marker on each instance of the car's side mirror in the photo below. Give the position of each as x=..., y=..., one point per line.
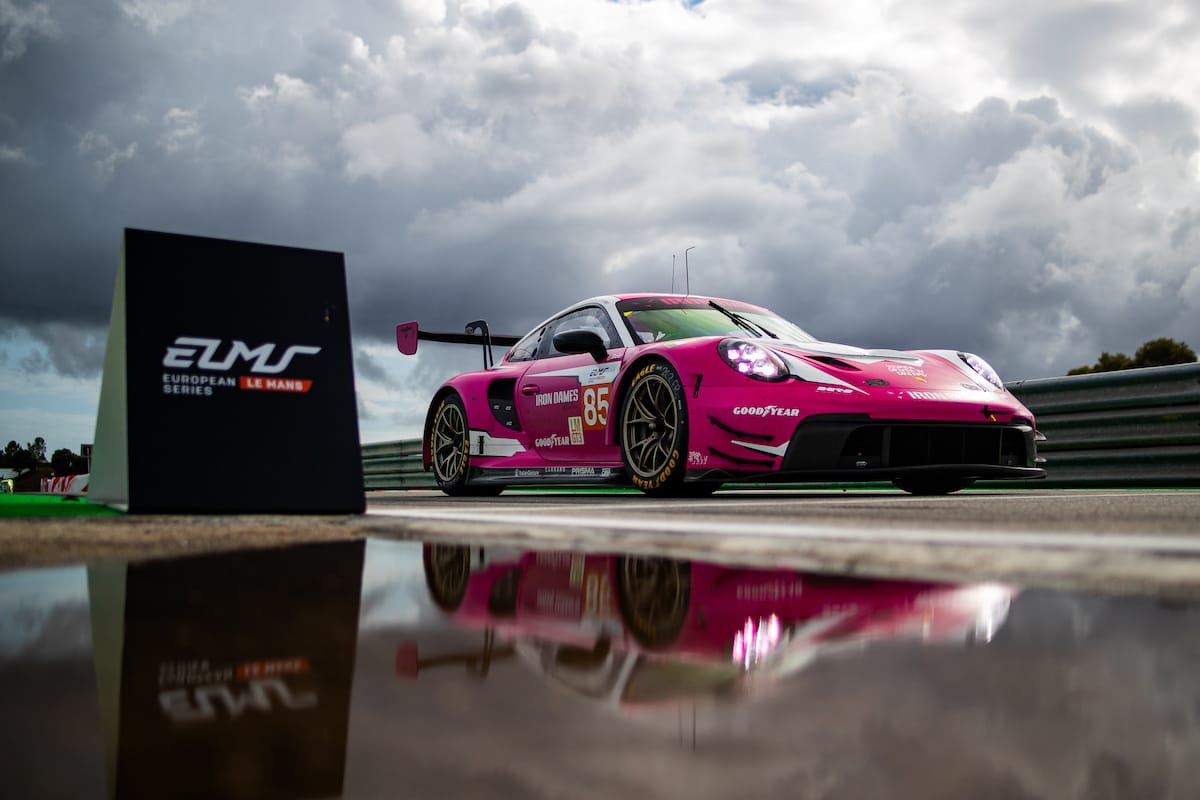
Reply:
x=581, y=341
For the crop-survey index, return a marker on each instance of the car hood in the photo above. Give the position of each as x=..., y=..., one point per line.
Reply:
x=860, y=369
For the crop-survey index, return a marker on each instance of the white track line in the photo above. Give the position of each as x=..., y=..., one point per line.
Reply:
x=1179, y=545
x=639, y=503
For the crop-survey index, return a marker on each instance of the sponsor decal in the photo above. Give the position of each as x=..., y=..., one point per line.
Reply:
x=765, y=411
x=990, y=413
x=575, y=426
x=775, y=590
x=591, y=375
x=906, y=371
x=601, y=373
x=553, y=440
x=194, y=352
x=697, y=459
x=928, y=395
x=559, y=604
x=555, y=561
x=559, y=397
x=834, y=390
x=595, y=407
x=553, y=472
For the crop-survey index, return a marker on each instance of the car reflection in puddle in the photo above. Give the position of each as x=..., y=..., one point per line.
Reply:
x=633, y=630
x=392, y=668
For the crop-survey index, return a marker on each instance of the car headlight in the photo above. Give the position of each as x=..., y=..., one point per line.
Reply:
x=983, y=368
x=752, y=360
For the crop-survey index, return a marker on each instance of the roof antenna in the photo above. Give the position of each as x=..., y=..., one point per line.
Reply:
x=672, y=273
x=686, y=276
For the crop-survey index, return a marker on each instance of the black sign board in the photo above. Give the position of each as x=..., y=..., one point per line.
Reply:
x=228, y=381
x=234, y=672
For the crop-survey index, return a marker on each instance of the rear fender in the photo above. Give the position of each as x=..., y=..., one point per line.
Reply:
x=473, y=391
x=426, y=454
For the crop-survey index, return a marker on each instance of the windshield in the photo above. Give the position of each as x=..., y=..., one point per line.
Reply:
x=658, y=319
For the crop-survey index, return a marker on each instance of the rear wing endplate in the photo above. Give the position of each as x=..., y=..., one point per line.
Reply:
x=409, y=333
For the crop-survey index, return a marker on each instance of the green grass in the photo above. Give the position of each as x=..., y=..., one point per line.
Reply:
x=49, y=505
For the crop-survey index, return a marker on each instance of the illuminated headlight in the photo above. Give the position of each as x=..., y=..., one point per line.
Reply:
x=983, y=368
x=752, y=360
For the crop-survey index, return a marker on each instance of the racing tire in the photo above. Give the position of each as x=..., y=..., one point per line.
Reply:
x=654, y=430
x=447, y=570
x=654, y=595
x=932, y=485
x=450, y=450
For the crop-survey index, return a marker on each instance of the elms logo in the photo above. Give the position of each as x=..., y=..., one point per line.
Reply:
x=184, y=355
x=194, y=352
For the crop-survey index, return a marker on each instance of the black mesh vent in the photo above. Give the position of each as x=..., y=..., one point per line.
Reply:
x=500, y=399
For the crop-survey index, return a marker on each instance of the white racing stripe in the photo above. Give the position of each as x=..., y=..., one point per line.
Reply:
x=1139, y=542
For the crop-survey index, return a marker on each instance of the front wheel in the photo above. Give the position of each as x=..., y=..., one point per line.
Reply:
x=932, y=485
x=654, y=429
x=654, y=595
x=450, y=449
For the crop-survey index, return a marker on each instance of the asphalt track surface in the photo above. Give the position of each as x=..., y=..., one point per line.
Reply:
x=1141, y=541
x=1113, y=541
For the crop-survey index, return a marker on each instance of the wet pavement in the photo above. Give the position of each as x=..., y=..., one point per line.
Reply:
x=399, y=669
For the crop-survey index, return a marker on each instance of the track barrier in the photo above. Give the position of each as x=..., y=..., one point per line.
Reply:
x=1137, y=427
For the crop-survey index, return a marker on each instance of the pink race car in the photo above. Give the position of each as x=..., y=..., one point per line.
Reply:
x=679, y=394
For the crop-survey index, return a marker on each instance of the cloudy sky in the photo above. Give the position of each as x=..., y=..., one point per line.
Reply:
x=1019, y=179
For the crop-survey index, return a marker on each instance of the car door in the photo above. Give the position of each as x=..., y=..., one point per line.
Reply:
x=565, y=399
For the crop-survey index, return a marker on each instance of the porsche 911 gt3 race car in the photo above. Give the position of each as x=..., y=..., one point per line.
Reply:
x=679, y=394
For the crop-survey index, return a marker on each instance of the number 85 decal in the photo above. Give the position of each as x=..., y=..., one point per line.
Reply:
x=595, y=406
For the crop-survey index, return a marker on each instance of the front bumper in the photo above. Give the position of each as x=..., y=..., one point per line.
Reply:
x=857, y=447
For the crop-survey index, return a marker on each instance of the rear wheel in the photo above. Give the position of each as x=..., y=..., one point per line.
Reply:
x=654, y=430
x=447, y=569
x=450, y=450
x=933, y=484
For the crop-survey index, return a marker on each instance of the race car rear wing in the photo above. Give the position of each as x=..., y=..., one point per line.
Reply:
x=477, y=332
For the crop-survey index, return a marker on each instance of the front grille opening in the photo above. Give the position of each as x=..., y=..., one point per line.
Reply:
x=863, y=448
x=845, y=443
x=1012, y=450
x=924, y=445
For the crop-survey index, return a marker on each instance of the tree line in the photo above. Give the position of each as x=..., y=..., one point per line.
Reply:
x=1160, y=352
x=33, y=455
